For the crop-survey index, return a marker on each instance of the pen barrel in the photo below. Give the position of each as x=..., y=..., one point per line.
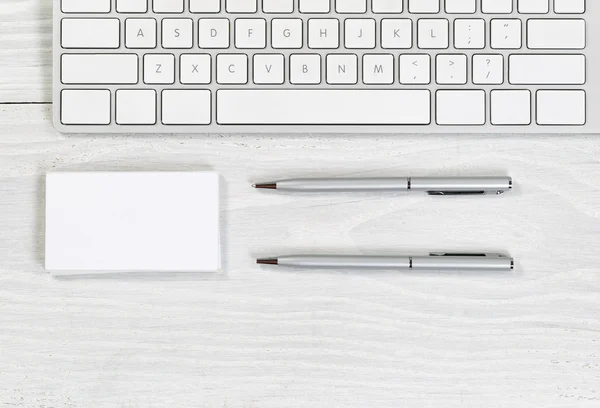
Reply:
x=462, y=263
x=460, y=184
x=346, y=262
x=344, y=184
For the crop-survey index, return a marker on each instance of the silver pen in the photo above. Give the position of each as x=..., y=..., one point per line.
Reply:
x=434, y=261
x=430, y=185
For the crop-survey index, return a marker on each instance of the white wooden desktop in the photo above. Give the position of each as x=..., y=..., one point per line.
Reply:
x=263, y=337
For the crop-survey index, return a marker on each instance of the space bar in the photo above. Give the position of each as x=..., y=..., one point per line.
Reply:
x=323, y=107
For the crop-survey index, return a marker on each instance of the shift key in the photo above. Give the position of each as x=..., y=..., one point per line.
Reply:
x=546, y=69
x=99, y=69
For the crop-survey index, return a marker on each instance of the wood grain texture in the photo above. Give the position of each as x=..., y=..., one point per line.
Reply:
x=261, y=337
x=25, y=51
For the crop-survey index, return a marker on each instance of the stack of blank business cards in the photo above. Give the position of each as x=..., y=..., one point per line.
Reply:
x=132, y=222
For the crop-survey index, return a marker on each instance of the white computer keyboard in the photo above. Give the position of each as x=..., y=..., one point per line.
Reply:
x=476, y=66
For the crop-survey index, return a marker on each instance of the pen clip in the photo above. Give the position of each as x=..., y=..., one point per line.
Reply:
x=472, y=254
x=460, y=193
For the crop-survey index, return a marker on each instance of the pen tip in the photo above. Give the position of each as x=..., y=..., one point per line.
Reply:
x=271, y=186
x=267, y=261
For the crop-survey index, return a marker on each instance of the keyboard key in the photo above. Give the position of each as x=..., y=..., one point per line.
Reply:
x=314, y=6
x=323, y=33
x=506, y=34
x=433, y=33
x=533, y=6
x=415, y=69
x=461, y=6
x=488, y=69
x=85, y=107
x=342, y=69
x=186, y=107
x=168, y=6
x=569, y=6
x=387, y=6
x=469, y=33
x=286, y=33
x=232, y=68
x=278, y=6
x=177, y=33
x=159, y=69
x=460, y=107
x=90, y=33
x=510, y=107
x=359, y=33
x=305, y=69
x=136, y=107
x=99, y=69
x=268, y=69
x=566, y=107
x=424, y=6
x=497, y=6
x=87, y=6
x=556, y=34
x=451, y=69
x=213, y=33
x=323, y=106
x=195, y=69
x=378, y=69
x=205, y=6
x=351, y=6
x=132, y=6
x=240, y=6
x=396, y=33
x=250, y=33
x=547, y=69
x=140, y=33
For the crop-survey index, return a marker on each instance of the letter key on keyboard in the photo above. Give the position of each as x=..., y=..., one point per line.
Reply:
x=394, y=66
